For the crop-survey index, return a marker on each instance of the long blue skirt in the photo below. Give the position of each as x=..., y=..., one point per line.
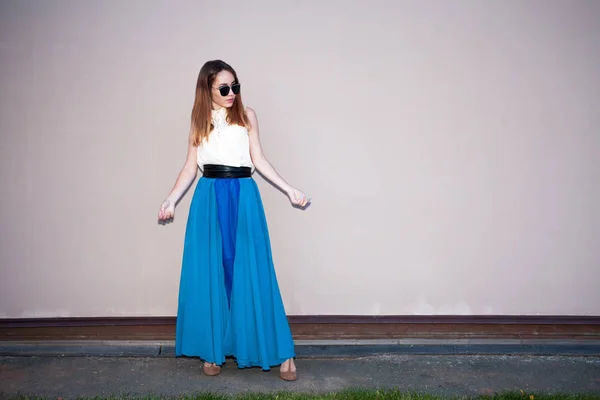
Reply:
x=229, y=299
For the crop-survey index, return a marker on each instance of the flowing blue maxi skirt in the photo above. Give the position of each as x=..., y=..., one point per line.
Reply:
x=229, y=300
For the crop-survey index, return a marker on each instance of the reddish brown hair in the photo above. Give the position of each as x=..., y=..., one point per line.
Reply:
x=202, y=111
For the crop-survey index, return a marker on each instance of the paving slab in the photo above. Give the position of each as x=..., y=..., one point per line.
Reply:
x=72, y=377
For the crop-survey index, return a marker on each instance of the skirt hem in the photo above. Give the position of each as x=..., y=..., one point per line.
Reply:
x=241, y=364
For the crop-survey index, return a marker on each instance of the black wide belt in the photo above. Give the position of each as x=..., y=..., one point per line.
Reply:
x=225, y=171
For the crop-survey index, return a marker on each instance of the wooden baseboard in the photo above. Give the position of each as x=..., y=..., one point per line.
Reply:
x=319, y=327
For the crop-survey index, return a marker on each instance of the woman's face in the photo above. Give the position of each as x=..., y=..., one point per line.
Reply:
x=224, y=79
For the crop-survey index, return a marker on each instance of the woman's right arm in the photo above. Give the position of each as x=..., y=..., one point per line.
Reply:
x=184, y=180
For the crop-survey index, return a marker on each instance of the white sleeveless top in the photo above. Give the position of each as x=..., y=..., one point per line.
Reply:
x=226, y=145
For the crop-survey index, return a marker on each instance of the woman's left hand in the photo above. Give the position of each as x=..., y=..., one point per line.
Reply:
x=298, y=198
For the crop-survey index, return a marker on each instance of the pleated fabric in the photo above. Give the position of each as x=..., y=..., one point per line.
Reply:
x=229, y=301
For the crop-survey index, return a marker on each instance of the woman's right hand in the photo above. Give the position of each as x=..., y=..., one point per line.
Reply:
x=167, y=210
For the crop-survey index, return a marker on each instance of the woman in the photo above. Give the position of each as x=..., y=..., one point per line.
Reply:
x=229, y=300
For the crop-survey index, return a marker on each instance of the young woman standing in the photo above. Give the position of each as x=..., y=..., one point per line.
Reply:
x=229, y=299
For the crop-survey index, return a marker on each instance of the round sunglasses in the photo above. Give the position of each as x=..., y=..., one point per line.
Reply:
x=224, y=89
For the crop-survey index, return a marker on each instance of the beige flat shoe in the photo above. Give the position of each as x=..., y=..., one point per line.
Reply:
x=211, y=370
x=287, y=375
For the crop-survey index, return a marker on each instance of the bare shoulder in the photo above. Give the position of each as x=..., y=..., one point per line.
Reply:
x=251, y=113
x=252, y=117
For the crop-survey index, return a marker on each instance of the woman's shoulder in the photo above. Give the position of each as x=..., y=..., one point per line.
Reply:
x=251, y=116
x=250, y=112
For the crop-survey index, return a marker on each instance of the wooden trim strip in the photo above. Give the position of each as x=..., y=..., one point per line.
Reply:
x=446, y=319
x=85, y=321
x=316, y=319
x=319, y=327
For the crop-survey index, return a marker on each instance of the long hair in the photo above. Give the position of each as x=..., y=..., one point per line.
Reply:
x=202, y=110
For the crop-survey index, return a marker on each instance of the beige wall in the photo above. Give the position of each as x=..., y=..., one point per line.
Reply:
x=451, y=149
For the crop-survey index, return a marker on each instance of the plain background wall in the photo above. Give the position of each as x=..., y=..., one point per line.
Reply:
x=452, y=151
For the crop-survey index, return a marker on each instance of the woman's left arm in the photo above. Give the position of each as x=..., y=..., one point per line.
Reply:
x=264, y=166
